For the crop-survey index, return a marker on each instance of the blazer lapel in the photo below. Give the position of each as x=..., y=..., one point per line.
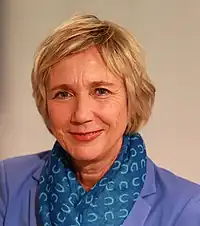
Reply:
x=142, y=208
x=32, y=206
x=138, y=214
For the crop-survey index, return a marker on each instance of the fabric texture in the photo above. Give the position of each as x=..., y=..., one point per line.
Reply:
x=63, y=201
x=165, y=200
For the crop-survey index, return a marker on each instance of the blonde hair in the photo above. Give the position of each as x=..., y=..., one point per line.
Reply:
x=121, y=53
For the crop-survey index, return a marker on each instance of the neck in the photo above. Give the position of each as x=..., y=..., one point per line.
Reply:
x=90, y=172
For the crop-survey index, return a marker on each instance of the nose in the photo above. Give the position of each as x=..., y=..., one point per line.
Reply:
x=82, y=110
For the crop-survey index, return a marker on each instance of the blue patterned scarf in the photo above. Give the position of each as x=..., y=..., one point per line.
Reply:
x=64, y=202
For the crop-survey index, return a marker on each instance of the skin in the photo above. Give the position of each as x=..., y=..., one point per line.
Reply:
x=84, y=96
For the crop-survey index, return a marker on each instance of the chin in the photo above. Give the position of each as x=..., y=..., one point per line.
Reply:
x=81, y=154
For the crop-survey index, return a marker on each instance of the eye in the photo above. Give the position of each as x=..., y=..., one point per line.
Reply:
x=102, y=92
x=62, y=95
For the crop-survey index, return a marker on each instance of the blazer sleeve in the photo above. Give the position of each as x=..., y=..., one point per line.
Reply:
x=190, y=215
x=3, y=194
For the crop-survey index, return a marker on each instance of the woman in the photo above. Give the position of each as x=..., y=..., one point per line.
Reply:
x=91, y=87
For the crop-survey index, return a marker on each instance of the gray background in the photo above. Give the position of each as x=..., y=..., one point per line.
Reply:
x=170, y=33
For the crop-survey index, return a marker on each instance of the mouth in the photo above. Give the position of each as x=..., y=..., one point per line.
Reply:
x=86, y=136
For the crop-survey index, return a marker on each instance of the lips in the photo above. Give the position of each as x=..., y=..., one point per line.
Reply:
x=86, y=136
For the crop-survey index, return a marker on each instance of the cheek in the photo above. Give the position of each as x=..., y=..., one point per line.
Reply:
x=58, y=113
x=115, y=114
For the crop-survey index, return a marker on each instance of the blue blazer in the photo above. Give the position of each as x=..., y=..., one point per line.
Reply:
x=166, y=200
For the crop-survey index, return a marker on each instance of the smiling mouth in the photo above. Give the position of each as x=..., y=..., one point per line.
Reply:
x=87, y=136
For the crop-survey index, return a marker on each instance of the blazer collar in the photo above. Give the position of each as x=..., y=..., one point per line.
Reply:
x=42, y=159
x=149, y=187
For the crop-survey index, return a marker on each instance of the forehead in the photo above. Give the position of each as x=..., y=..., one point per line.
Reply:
x=87, y=66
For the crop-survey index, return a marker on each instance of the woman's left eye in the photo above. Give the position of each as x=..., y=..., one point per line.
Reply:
x=102, y=92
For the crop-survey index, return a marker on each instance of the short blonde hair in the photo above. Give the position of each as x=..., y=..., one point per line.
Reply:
x=119, y=50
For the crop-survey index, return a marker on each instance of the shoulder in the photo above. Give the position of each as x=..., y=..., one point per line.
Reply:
x=176, y=199
x=173, y=184
x=18, y=170
x=18, y=178
x=26, y=162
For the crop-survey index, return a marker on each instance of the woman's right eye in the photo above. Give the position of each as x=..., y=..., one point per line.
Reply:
x=62, y=95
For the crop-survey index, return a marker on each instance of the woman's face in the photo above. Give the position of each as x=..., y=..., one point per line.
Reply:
x=87, y=107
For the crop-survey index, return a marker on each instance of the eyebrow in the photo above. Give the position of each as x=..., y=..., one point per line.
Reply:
x=101, y=83
x=60, y=86
x=92, y=85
